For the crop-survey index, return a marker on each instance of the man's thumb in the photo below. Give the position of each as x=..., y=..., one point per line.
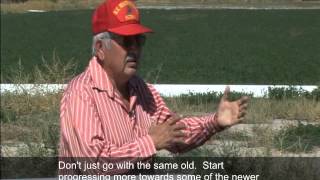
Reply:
x=226, y=93
x=154, y=122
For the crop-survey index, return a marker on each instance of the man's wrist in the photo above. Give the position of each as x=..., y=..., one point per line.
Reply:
x=212, y=123
x=146, y=146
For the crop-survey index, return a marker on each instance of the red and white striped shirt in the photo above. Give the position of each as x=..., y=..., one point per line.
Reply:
x=96, y=123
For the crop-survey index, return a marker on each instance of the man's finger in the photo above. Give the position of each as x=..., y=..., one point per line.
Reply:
x=179, y=134
x=179, y=126
x=174, y=119
x=226, y=93
x=179, y=141
x=242, y=114
x=241, y=119
x=243, y=107
x=243, y=100
x=153, y=122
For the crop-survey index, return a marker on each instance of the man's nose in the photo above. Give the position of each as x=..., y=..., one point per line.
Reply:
x=133, y=44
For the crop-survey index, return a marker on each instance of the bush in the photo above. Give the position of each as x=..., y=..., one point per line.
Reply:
x=13, y=1
x=292, y=92
x=22, y=102
x=315, y=94
x=209, y=97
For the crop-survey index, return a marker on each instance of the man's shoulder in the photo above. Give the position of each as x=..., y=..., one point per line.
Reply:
x=79, y=83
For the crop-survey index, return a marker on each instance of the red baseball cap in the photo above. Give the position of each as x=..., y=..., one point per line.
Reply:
x=119, y=17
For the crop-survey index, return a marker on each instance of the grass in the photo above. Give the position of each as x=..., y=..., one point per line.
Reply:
x=189, y=46
x=236, y=136
x=39, y=133
x=21, y=114
x=298, y=139
x=264, y=143
x=53, y=71
x=261, y=109
x=33, y=119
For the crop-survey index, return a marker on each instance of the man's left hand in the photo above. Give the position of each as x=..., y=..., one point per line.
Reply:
x=231, y=112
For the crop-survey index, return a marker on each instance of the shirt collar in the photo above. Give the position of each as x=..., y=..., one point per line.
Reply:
x=100, y=77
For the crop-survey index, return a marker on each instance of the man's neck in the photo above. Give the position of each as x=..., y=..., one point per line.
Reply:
x=123, y=89
x=121, y=85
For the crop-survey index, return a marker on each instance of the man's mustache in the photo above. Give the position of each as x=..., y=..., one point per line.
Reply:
x=131, y=56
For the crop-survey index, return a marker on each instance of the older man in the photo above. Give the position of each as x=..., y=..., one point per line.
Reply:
x=108, y=111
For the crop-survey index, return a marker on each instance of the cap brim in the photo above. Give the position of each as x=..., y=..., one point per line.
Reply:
x=130, y=29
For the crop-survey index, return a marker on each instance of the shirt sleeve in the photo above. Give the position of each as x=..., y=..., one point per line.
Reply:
x=82, y=134
x=199, y=129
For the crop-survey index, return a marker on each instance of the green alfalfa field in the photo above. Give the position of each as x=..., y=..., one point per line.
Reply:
x=188, y=46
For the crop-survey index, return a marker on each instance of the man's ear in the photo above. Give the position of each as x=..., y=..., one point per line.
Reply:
x=99, y=50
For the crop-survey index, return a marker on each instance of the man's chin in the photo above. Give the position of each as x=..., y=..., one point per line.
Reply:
x=130, y=71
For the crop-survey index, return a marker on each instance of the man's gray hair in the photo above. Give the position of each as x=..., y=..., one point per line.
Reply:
x=105, y=37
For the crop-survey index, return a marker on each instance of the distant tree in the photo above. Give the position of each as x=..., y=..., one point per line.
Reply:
x=13, y=1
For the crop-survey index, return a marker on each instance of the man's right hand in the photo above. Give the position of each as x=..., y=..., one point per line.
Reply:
x=166, y=134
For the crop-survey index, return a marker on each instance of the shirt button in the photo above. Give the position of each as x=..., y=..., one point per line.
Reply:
x=132, y=114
